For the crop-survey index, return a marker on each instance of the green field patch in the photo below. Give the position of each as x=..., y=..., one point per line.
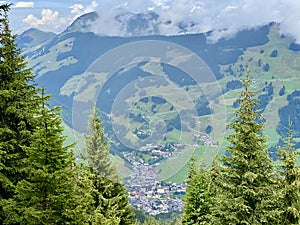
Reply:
x=180, y=176
x=292, y=85
x=174, y=164
x=154, y=68
x=81, y=83
x=47, y=60
x=272, y=136
x=231, y=95
x=202, y=154
x=122, y=169
x=178, y=136
x=73, y=138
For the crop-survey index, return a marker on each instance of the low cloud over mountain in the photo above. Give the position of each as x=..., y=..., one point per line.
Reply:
x=173, y=17
x=221, y=18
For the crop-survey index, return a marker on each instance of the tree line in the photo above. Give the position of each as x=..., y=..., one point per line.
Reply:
x=245, y=186
x=40, y=183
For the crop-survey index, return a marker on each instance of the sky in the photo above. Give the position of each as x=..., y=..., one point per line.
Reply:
x=52, y=16
x=224, y=17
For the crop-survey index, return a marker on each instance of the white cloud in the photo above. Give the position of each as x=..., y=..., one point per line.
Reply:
x=224, y=17
x=79, y=9
x=107, y=10
x=23, y=5
x=291, y=22
x=51, y=20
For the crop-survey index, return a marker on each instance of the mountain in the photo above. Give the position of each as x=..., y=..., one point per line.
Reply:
x=137, y=24
x=82, y=23
x=164, y=98
x=33, y=37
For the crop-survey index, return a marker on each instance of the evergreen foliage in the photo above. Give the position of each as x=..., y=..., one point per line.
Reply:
x=151, y=221
x=290, y=181
x=199, y=198
x=37, y=183
x=247, y=173
x=97, y=149
x=282, y=91
x=110, y=200
x=139, y=215
x=18, y=102
x=46, y=195
x=274, y=53
x=84, y=189
x=41, y=184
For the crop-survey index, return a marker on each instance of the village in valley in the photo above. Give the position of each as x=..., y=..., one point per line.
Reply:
x=146, y=190
x=153, y=196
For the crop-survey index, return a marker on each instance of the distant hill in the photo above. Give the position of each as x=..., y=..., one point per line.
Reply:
x=33, y=37
x=147, y=91
x=82, y=23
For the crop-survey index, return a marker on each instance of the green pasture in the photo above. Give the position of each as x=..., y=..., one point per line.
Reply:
x=283, y=70
x=176, y=163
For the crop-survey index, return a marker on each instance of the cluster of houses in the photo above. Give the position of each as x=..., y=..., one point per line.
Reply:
x=159, y=150
x=151, y=195
x=146, y=191
x=156, y=152
x=206, y=140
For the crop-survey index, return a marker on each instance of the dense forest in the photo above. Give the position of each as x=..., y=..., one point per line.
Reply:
x=41, y=183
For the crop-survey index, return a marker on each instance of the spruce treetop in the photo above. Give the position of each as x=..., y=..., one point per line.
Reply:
x=247, y=174
x=289, y=179
x=97, y=149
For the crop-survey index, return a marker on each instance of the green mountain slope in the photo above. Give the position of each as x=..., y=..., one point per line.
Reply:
x=163, y=99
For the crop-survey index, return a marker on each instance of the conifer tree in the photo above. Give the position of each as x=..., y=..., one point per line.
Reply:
x=97, y=149
x=47, y=194
x=290, y=181
x=247, y=173
x=111, y=204
x=84, y=189
x=151, y=221
x=199, y=197
x=18, y=102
